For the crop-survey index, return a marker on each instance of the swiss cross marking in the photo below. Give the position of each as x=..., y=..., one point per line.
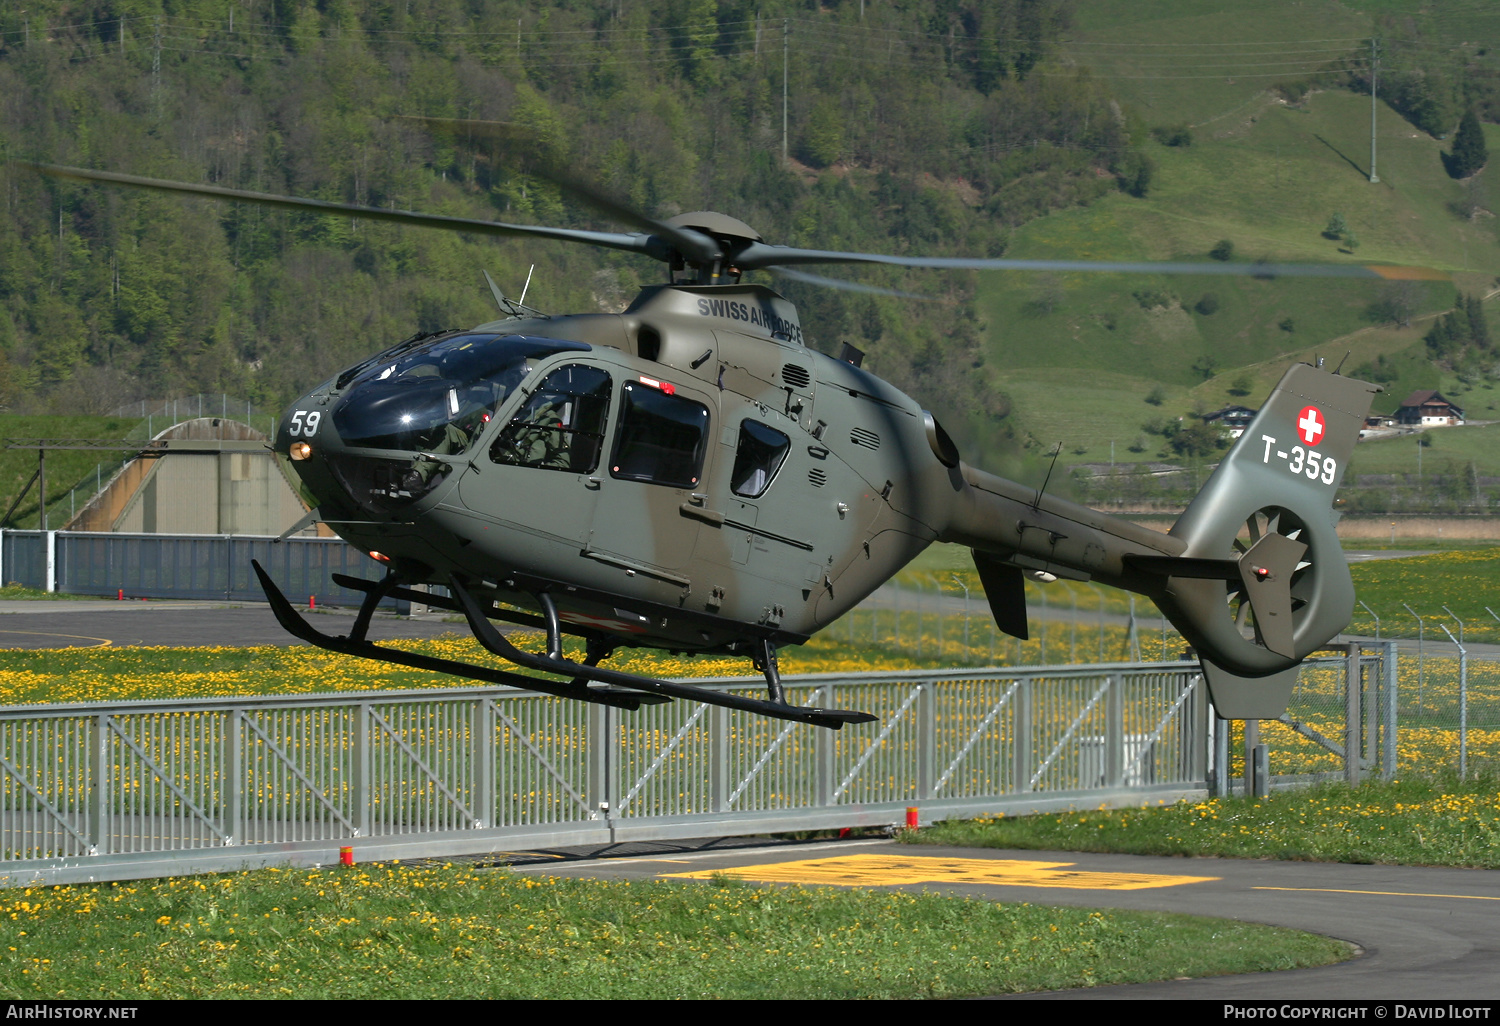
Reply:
x=1310, y=425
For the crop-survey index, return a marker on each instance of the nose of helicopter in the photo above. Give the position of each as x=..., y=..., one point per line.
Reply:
x=371, y=453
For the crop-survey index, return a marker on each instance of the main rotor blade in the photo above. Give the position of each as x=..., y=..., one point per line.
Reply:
x=762, y=255
x=696, y=246
x=846, y=286
x=632, y=243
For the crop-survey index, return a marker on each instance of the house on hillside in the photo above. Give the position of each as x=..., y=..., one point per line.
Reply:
x=1233, y=419
x=1428, y=408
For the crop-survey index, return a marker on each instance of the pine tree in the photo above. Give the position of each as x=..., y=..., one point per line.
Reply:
x=1469, y=153
x=1479, y=328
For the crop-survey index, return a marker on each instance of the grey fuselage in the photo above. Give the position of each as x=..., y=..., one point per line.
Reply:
x=705, y=557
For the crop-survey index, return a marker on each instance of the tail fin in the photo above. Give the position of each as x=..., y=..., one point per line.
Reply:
x=1255, y=607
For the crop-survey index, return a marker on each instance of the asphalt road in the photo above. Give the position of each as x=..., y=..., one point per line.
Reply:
x=1422, y=933
x=66, y=623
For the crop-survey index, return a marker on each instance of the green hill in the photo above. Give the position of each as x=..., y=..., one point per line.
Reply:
x=1267, y=179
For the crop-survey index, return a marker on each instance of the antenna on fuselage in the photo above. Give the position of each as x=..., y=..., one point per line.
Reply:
x=1046, y=480
x=527, y=286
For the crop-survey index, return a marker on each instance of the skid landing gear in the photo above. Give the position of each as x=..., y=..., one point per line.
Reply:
x=620, y=689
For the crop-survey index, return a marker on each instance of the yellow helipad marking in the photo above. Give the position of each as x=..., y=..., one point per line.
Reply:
x=1383, y=894
x=887, y=870
x=76, y=637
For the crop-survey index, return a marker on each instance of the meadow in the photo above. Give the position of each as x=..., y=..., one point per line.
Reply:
x=444, y=932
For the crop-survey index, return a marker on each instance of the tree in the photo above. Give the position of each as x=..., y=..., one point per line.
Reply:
x=1223, y=250
x=1397, y=301
x=1047, y=293
x=1156, y=396
x=1208, y=304
x=1351, y=242
x=1198, y=439
x=1136, y=171
x=1469, y=153
x=1479, y=328
x=1337, y=226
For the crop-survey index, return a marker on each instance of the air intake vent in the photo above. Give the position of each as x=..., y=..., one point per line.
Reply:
x=818, y=477
x=795, y=376
x=865, y=437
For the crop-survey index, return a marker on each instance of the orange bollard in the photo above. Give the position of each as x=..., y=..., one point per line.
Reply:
x=346, y=856
x=911, y=817
x=122, y=595
x=312, y=602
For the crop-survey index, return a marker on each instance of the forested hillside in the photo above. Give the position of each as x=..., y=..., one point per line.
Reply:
x=977, y=127
x=911, y=129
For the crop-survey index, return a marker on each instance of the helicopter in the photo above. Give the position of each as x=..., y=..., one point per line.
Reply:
x=690, y=475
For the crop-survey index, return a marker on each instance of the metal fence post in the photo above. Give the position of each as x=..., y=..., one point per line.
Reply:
x=1218, y=781
x=363, y=811
x=1202, y=717
x=1251, y=739
x=482, y=747
x=49, y=572
x=824, y=742
x=1259, y=761
x=926, y=740
x=1463, y=704
x=1353, y=721
x=1021, y=731
x=718, y=758
x=1114, y=732
x=603, y=764
x=99, y=789
x=1388, y=769
x=232, y=784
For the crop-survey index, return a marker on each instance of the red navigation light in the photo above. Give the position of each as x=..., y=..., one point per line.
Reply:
x=665, y=386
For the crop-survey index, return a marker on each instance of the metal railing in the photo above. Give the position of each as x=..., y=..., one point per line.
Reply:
x=134, y=789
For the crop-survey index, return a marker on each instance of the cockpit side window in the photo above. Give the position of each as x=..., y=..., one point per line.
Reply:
x=661, y=438
x=757, y=458
x=561, y=425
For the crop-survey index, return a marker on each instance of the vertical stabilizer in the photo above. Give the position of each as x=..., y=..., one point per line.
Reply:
x=1263, y=581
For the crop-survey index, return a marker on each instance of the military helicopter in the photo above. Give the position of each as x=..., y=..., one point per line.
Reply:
x=690, y=475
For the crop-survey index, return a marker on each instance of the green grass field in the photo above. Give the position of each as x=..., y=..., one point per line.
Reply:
x=66, y=469
x=441, y=933
x=1160, y=88
x=1442, y=822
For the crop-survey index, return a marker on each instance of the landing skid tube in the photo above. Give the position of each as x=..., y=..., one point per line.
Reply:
x=356, y=645
x=642, y=690
x=553, y=662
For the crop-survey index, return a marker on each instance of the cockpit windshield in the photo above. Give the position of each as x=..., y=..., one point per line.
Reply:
x=437, y=396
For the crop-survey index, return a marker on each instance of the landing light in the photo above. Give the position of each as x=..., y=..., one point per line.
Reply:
x=379, y=557
x=299, y=451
